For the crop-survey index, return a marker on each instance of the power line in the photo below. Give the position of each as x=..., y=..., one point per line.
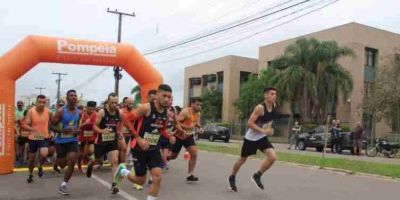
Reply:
x=58, y=81
x=40, y=89
x=93, y=77
x=225, y=29
x=247, y=37
x=226, y=25
x=117, y=70
x=216, y=40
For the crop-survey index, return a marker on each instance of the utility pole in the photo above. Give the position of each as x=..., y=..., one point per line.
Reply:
x=117, y=70
x=58, y=81
x=40, y=89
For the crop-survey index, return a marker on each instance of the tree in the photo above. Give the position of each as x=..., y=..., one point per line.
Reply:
x=383, y=102
x=309, y=76
x=137, y=96
x=212, y=105
x=251, y=93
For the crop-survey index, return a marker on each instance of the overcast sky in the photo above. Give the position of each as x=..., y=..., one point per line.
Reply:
x=160, y=22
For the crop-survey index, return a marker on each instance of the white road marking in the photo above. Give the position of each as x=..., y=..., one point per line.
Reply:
x=108, y=185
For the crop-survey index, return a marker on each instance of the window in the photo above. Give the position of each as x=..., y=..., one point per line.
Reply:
x=220, y=81
x=370, y=64
x=244, y=76
x=220, y=77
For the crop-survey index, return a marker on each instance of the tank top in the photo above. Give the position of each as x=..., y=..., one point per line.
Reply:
x=68, y=120
x=262, y=121
x=111, y=122
x=151, y=127
x=127, y=116
x=87, y=130
x=193, y=118
x=39, y=121
x=22, y=131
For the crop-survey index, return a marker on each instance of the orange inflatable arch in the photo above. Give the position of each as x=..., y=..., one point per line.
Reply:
x=35, y=49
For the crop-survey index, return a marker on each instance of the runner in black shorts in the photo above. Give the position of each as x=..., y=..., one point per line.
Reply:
x=22, y=139
x=189, y=125
x=171, y=126
x=108, y=127
x=66, y=139
x=153, y=118
x=256, y=138
x=37, y=122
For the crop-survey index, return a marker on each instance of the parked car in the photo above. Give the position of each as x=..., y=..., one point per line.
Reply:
x=214, y=132
x=316, y=138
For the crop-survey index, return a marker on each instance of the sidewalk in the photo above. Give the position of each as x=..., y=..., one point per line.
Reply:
x=312, y=152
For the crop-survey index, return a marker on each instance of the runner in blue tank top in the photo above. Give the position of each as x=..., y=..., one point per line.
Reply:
x=66, y=139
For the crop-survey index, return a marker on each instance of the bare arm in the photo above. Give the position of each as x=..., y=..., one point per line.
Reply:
x=258, y=111
x=57, y=117
x=96, y=126
x=182, y=117
x=27, y=123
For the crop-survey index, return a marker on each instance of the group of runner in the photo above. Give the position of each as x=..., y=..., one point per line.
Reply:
x=144, y=139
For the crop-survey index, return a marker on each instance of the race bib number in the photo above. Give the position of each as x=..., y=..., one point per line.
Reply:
x=152, y=138
x=24, y=133
x=66, y=135
x=87, y=133
x=108, y=137
x=190, y=132
x=38, y=137
x=125, y=130
x=267, y=125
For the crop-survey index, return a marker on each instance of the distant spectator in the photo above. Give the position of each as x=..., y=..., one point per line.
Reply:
x=358, y=135
x=295, y=131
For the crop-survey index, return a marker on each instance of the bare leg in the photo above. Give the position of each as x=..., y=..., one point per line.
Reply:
x=193, y=158
x=237, y=165
x=156, y=174
x=271, y=157
x=71, y=160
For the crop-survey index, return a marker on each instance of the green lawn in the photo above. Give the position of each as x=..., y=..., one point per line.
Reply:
x=353, y=166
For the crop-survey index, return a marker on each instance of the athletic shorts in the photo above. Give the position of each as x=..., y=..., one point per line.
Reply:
x=164, y=143
x=146, y=160
x=82, y=144
x=51, y=142
x=188, y=142
x=250, y=147
x=102, y=149
x=34, y=145
x=127, y=139
x=63, y=149
x=22, y=140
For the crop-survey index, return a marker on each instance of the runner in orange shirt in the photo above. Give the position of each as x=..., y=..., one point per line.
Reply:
x=37, y=122
x=189, y=121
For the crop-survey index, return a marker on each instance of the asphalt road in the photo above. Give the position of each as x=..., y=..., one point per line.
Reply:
x=283, y=181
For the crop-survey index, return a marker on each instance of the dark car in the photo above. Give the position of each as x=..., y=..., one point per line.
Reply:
x=316, y=138
x=215, y=132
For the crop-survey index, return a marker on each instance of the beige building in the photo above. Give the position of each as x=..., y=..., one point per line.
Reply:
x=370, y=45
x=225, y=74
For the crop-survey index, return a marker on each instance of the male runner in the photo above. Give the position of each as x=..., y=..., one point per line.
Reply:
x=66, y=139
x=189, y=121
x=37, y=122
x=172, y=127
x=147, y=152
x=256, y=138
x=86, y=136
x=108, y=127
x=20, y=141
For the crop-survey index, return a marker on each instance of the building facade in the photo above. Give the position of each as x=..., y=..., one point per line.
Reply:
x=371, y=46
x=225, y=75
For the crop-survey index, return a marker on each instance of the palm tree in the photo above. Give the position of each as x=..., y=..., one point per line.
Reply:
x=137, y=96
x=309, y=77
